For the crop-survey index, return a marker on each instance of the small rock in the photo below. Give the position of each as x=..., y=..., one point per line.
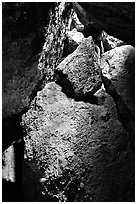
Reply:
x=82, y=68
x=74, y=38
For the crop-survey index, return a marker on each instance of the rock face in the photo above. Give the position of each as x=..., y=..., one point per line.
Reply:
x=81, y=69
x=74, y=38
x=79, y=138
x=54, y=40
x=22, y=78
x=118, y=67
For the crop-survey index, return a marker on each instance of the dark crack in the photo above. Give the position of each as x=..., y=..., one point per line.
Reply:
x=62, y=80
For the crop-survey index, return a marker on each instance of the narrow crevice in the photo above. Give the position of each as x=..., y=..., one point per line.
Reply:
x=124, y=114
x=38, y=87
x=62, y=80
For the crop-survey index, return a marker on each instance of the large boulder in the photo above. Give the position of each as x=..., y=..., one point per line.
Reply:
x=81, y=69
x=75, y=146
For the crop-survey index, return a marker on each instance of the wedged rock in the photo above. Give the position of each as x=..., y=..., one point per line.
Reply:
x=82, y=69
x=118, y=68
x=75, y=23
x=74, y=38
x=75, y=146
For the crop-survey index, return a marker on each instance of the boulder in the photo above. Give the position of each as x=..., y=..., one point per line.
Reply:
x=118, y=65
x=81, y=69
x=74, y=38
x=75, y=147
x=118, y=68
x=23, y=75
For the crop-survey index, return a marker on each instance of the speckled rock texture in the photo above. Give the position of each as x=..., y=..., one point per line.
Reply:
x=80, y=138
x=55, y=36
x=118, y=65
x=81, y=68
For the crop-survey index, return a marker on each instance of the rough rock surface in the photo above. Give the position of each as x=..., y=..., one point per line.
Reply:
x=81, y=69
x=79, y=138
x=74, y=38
x=119, y=66
x=17, y=88
x=56, y=31
x=23, y=76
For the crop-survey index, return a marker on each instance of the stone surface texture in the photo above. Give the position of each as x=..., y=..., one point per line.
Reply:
x=82, y=138
x=82, y=68
x=118, y=65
